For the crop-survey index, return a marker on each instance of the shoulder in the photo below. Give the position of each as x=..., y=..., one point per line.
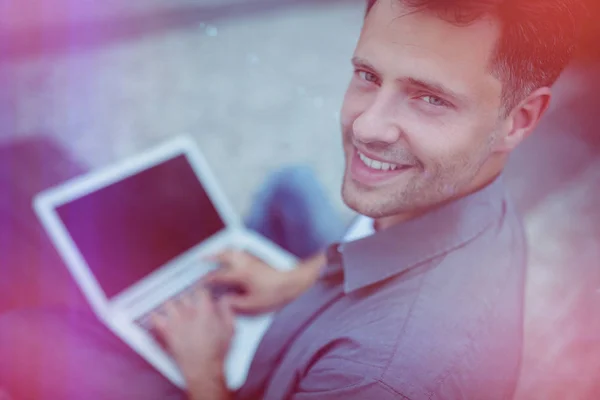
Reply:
x=463, y=333
x=454, y=324
x=449, y=326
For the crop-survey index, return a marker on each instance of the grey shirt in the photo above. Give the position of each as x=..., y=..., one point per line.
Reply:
x=427, y=309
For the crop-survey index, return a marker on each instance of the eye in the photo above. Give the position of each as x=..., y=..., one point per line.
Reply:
x=434, y=101
x=367, y=76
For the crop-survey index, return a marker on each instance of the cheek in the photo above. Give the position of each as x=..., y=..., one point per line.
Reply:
x=447, y=147
x=428, y=140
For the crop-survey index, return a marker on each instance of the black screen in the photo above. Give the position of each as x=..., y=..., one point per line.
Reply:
x=129, y=229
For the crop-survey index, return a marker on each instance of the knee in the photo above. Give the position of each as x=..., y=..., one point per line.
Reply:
x=294, y=177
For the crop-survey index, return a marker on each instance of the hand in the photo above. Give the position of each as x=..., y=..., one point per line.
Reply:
x=197, y=331
x=263, y=288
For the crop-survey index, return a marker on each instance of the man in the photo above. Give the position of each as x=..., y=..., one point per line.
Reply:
x=424, y=297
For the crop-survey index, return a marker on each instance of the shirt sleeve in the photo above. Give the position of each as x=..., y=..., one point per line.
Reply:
x=334, y=378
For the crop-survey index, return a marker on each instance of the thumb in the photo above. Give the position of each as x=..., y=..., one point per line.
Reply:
x=242, y=303
x=225, y=276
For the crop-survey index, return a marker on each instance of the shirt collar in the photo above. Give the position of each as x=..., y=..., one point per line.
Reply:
x=389, y=252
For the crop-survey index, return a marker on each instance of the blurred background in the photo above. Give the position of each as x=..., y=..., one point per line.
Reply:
x=258, y=84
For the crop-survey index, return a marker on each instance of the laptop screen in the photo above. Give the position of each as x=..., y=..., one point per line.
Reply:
x=130, y=228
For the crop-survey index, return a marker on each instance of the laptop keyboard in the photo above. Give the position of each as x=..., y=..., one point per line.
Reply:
x=216, y=291
x=145, y=320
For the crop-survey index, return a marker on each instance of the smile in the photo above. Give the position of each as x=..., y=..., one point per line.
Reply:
x=370, y=172
x=377, y=165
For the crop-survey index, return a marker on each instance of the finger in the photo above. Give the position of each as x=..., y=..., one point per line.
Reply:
x=186, y=299
x=222, y=257
x=233, y=258
x=242, y=304
x=225, y=277
x=159, y=323
x=204, y=301
x=226, y=313
x=217, y=254
x=249, y=257
x=170, y=309
x=215, y=275
x=210, y=257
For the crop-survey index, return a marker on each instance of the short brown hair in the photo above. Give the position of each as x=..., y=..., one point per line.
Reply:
x=537, y=42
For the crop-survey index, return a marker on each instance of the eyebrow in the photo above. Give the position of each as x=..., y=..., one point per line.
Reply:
x=433, y=87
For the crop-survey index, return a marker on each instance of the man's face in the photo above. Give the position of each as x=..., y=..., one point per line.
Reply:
x=423, y=100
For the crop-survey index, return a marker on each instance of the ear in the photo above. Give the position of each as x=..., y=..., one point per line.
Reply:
x=524, y=118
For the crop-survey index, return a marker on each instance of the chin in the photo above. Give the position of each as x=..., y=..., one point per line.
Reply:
x=365, y=201
x=381, y=202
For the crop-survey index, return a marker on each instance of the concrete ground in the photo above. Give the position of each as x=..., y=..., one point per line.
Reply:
x=258, y=84
x=256, y=87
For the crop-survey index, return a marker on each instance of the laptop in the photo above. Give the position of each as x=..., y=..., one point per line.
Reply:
x=134, y=235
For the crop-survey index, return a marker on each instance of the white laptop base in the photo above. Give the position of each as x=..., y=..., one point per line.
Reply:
x=249, y=330
x=119, y=311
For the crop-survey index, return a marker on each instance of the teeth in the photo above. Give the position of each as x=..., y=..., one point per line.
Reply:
x=378, y=165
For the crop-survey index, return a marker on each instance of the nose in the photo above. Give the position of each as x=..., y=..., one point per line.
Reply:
x=378, y=122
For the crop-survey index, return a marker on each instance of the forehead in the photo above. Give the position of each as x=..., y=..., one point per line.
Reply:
x=423, y=46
